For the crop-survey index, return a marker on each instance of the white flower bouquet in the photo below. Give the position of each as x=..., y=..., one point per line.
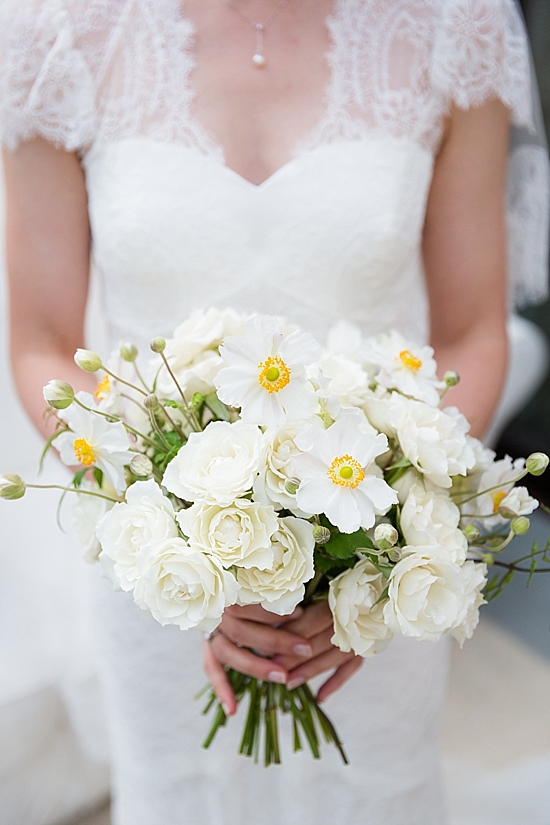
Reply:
x=245, y=465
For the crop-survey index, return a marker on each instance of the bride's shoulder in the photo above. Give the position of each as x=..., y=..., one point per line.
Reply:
x=51, y=52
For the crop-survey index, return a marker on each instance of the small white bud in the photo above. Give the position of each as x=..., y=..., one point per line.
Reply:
x=87, y=360
x=321, y=534
x=151, y=402
x=291, y=486
x=395, y=554
x=385, y=536
x=158, y=345
x=141, y=466
x=128, y=352
x=472, y=532
x=12, y=486
x=520, y=525
x=451, y=378
x=58, y=394
x=537, y=463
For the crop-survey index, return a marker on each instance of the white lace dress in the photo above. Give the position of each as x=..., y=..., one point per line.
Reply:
x=333, y=234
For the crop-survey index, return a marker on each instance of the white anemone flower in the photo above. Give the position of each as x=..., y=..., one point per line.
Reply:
x=405, y=367
x=265, y=374
x=339, y=477
x=94, y=442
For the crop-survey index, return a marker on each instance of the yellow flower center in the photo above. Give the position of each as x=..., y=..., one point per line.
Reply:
x=83, y=452
x=103, y=389
x=274, y=374
x=497, y=497
x=345, y=471
x=409, y=360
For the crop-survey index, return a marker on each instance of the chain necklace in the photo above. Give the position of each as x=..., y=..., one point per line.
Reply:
x=258, y=58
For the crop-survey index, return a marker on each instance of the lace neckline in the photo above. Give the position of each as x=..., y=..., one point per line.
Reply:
x=304, y=144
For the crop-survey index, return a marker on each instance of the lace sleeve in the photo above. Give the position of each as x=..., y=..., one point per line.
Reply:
x=481, y=52
x=46, y=86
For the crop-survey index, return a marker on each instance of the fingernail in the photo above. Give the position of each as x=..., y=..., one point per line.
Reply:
x=303, y=650
x=277, y=676
x=294, y=683
x=226, y=709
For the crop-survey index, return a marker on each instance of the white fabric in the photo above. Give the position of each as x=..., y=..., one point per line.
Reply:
x=335, y=233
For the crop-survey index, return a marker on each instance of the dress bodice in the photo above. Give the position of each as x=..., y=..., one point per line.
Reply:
x=335, y=233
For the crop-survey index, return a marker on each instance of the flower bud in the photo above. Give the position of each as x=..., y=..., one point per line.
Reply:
x=158, y=345
x=472, y=532
x=140, y=465
x=87, y=360
x=520, y=525
x=488, y=559
x=394, y=554
x=58, y=394
x=128, y=352
x=11, y=486
x=506, y=512
x=321, y=534
x=291, y=486
x=537, y=463
x=451, y=378
x=385, y=536
x=151, y=402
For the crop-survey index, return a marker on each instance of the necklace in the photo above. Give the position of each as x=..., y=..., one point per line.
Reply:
x=258, y=58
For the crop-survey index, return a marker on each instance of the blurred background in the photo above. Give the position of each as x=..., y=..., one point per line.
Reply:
x=53, y=743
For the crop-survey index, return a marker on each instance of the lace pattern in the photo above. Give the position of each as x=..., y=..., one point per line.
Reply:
x=91, y=72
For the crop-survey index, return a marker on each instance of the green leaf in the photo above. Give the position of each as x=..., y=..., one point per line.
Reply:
x=345, y=545
x=168, y=402
x=532, y=569
x=48, y=444
x=217, y=407
x=77, y=480
x=98, y=475
x=508, y=577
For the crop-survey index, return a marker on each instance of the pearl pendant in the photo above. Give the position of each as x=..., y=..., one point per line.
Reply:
x=259, y=61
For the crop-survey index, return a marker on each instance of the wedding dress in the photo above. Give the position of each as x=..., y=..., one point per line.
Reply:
x=334, y=234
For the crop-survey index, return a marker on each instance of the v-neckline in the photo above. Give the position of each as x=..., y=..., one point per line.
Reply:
x=304, y=142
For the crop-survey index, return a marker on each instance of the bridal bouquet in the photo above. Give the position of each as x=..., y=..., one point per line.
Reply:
x=245, y=465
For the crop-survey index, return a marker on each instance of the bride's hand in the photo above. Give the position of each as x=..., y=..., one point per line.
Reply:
x=299, y=645
x=316, y=625
x=255, y=628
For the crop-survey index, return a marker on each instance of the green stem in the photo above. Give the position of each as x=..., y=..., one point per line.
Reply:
x=122, y=381
x=490, y=489
x=72, y=490
x=191, y=417
x=117, y=418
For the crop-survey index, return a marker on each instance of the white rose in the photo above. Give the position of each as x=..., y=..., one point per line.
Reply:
x=203, y=330
x=146, y=517
x=86, y=513
x=358, y=620
x=474, y=578
x=218, y=465
x=378, y=406
x=281, y=588
x=432, y=519
x=277, y=467
x=182, y=586
x=433, y=440
x=239, y=534
x=426, y=594
x=348, y=380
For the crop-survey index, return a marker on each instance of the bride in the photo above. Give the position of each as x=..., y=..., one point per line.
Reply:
x=324, y=160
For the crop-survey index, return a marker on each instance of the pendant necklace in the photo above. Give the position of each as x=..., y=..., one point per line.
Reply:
x=258, y=58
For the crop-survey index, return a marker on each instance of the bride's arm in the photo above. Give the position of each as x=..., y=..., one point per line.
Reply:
x=465, y=259
x=464, y=250
x=48, y=251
